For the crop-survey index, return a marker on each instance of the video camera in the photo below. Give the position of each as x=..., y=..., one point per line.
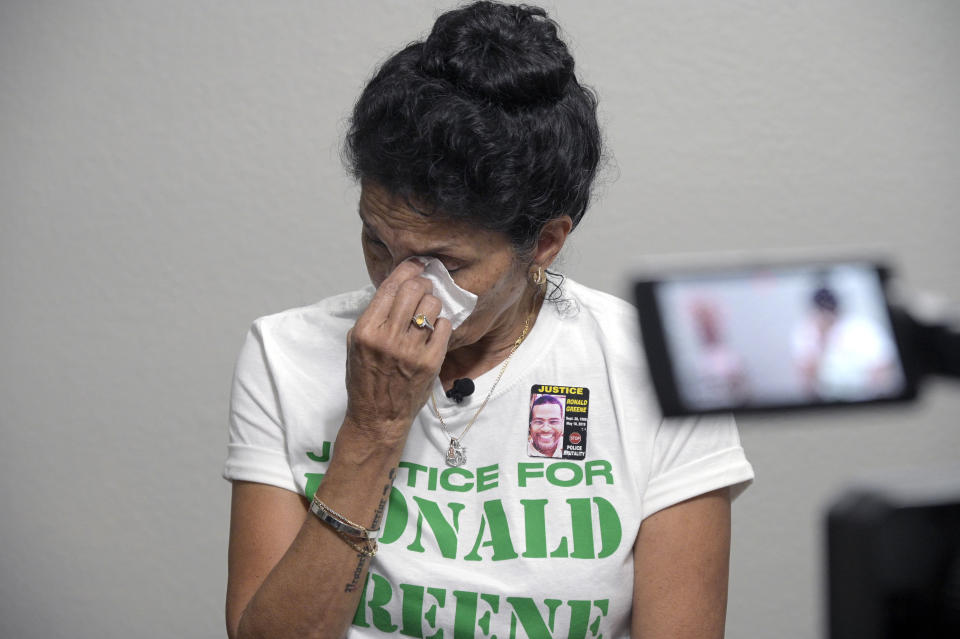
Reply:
x=784, y=336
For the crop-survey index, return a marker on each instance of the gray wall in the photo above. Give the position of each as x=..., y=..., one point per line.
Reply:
x=169, y=171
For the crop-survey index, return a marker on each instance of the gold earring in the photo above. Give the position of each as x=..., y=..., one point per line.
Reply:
x=538, y=276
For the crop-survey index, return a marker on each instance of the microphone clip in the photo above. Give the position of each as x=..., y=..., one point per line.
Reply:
x=461, y=388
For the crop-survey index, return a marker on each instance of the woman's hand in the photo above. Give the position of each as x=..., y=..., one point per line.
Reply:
x=391, y=363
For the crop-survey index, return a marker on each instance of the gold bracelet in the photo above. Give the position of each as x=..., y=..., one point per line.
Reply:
x=346, y=529
x=340, y=523
x=368, y=549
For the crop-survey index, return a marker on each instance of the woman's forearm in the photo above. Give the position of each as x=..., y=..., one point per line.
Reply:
x=314, y=589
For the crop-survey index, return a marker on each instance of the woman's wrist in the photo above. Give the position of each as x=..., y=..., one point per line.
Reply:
x=372, y=437
x=360, y=474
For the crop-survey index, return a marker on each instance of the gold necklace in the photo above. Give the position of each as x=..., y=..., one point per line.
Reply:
x=456, y=453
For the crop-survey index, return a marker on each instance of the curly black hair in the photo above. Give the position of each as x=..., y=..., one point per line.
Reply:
x=483, y=121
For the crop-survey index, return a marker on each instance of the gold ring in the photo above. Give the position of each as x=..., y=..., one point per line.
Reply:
x=420, y=321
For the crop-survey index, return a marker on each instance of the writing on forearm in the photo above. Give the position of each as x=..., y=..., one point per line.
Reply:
x=357, y=573
x=384, y=498
x=377, y=516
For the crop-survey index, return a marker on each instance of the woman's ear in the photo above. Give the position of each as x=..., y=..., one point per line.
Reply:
x=553, y=235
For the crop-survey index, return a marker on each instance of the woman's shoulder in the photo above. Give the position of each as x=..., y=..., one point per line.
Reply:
x=330, y=317
x=608, y=312
x=596, y=299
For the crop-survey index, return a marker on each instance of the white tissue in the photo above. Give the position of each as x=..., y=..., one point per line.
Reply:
x=457, y=303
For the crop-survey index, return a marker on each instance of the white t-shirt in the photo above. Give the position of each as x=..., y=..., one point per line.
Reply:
x=509, y=544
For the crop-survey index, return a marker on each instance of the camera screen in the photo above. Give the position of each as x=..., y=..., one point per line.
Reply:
x=768, y=337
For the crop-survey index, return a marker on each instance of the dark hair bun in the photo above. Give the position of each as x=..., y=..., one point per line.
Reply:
x=485, y=121
x=509, y=55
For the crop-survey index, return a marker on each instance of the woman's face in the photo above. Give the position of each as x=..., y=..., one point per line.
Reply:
x=481, y=261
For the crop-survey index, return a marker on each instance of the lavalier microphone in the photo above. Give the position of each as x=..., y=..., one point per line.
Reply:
x=460, y=389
